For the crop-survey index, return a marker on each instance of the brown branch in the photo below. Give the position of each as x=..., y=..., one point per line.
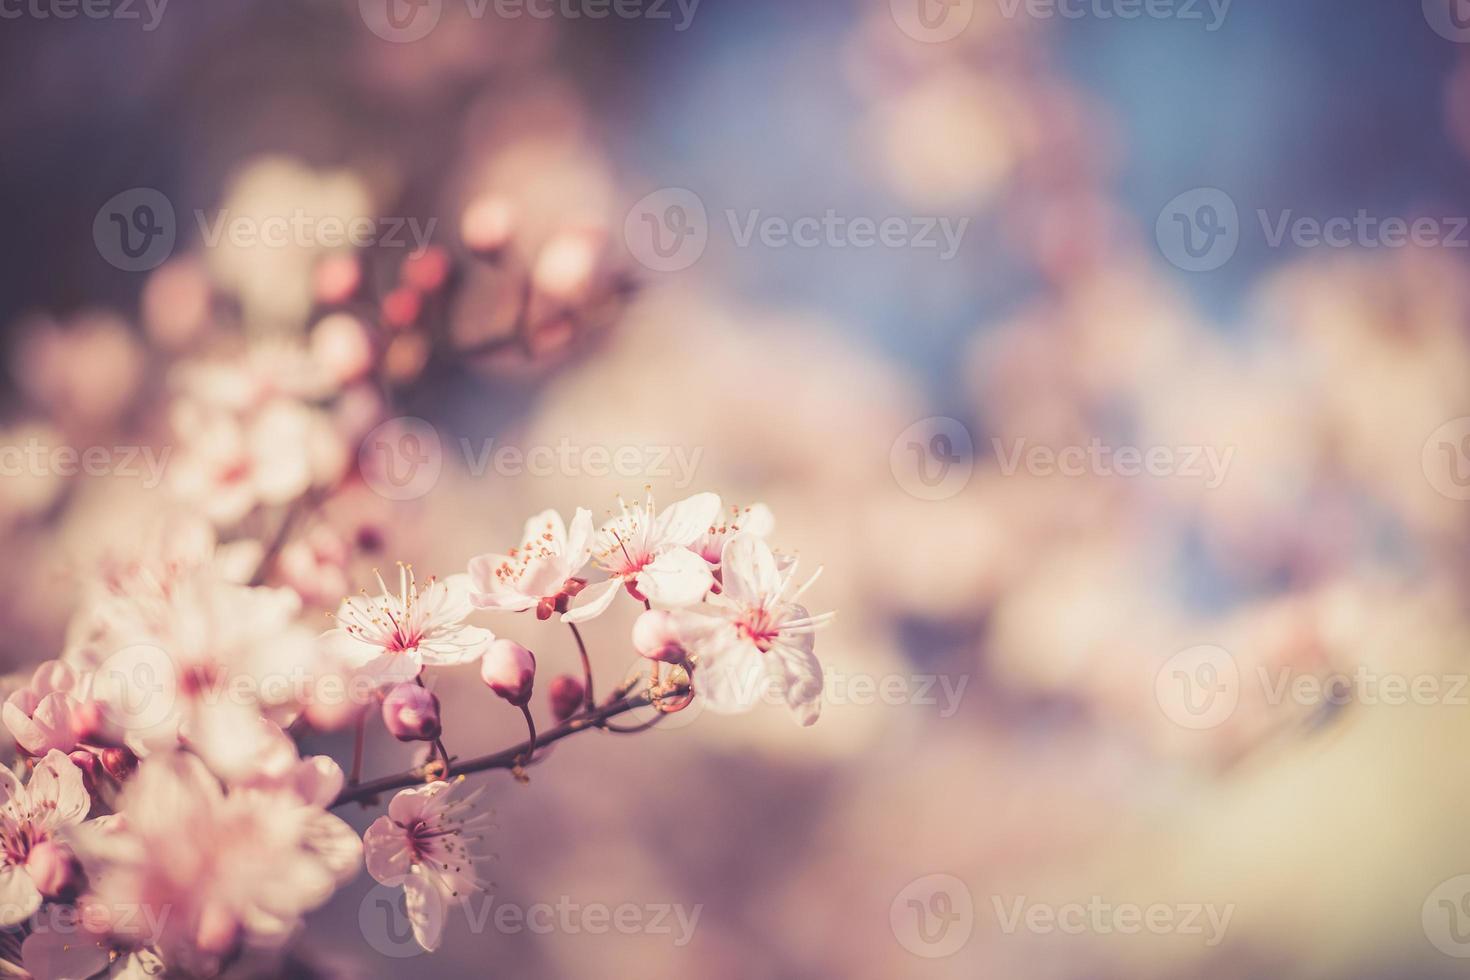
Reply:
x=506, y=758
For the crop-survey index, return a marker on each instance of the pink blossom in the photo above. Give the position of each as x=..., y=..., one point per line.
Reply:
x=541, y=574
x=424, y=845
x=55, y=798
x=229, y=867
x=649, y=554
x=754, y=631
x=54, y=711
x=393, y=637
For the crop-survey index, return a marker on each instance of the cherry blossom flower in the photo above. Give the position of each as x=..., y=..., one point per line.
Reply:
x=753, y=632
x=393, y=637
x=229, y=868
x=424, y=845
x=649, y=554
x=55, y=798
x=755, y=519
x=71, y=949
x=541, y=574
x=204, y=666
x=53, y=711
x=229, y=464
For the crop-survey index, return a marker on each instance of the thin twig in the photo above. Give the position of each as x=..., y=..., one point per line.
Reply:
x=505, y=758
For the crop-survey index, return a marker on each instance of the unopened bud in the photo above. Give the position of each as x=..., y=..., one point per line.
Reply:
x=401, y=308
x=411, y=714
x=340, y=345
x=55, y=871
x=487, y=225
x=336, y=279
x=427, y=271
x=119, y=762
x=565, y=693
x=654, y=637
x=510, y=671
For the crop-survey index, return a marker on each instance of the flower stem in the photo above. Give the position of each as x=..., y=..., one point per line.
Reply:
x=531, y=729
x=588, y=701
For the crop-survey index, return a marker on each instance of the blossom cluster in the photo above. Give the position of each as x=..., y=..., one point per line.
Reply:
x=161, y=814
x=164, y=774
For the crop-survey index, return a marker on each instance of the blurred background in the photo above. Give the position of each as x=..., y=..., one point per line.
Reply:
x=1111, y=356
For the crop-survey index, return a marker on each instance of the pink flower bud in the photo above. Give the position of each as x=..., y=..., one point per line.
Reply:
x=487, y=225
x=654, y=637
x=87, y=763
x=510, y=670
x=336, y=279
x=401, y=308
x=55, y=871
x=119, y=763
x=412, y=714
x=427, y=271
x=567, y=264
x=88, y=722
x=340, y=345
x=565, y=694
x=218, y=931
